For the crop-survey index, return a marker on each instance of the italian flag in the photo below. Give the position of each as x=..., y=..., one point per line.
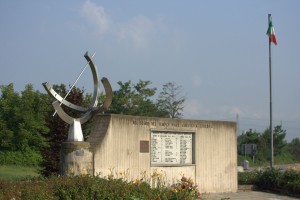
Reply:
x=271, y=33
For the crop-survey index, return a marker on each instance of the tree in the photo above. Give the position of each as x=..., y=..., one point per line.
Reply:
x=32, y=125
x=294, y=149
x=135, y=99
x=22, y=119
x=170, y=100
x=279, y=141
x=263, y=143
x=58, y=130
x=9, y=102
x=250, y=137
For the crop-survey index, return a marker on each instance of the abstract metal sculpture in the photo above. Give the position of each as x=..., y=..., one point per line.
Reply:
x=75, y=131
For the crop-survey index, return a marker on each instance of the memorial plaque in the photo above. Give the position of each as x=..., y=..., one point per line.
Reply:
x=171, y=148
x=144, y=146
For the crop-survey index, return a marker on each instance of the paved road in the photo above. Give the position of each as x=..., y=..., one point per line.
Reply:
x=248, y=195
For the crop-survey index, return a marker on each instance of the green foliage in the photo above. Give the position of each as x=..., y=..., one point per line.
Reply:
x=294, y=149
x=284, y=158
x=291, y=181
x=283, y=152
x=279, y=141
x=249, y=178
x=285, y=182
x=23, y=126
x=184, y=189
x=135, y=99
x=86, y=187
x=24, y=158
x=269, y=178
x=250, y=137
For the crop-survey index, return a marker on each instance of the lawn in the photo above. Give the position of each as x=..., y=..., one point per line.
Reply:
x=17, y=172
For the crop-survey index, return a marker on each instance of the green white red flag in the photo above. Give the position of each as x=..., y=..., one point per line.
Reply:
x=271, y=33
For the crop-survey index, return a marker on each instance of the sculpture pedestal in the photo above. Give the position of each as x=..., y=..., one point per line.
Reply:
x=76, y=159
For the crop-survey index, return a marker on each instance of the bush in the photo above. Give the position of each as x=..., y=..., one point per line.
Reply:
x=87, y=187
x=270, y=178
x=26, y=158
x=284, y=182
x=185, y=189
x=290, y=182
x=287, y=182
x=249, y=178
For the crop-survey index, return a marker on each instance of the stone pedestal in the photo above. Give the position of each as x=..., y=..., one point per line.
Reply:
x=76, y=159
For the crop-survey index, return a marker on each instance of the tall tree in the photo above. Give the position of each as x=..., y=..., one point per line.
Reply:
x=250, y=137
x=22, y=119
x=170, y=100
x=32, y=125
x=279, y=141
x=294, y=149
x=135, y=99
x=9, y=102
x=58, y=130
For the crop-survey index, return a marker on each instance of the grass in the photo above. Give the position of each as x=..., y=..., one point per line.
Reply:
x=17, y=172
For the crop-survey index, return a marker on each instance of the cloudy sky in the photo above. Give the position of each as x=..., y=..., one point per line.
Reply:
x=216, y=50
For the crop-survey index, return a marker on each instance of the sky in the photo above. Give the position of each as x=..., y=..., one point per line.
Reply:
x=217, y=51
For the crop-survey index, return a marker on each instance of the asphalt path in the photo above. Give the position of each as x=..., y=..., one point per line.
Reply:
x=248, y=195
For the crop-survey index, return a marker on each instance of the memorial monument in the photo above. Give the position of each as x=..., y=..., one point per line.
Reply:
x=203, y=150
x=76, y=155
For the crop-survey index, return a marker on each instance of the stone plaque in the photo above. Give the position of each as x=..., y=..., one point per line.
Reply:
x=171, y=148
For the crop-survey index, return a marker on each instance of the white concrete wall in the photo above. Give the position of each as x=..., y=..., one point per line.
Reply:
x=116, y=143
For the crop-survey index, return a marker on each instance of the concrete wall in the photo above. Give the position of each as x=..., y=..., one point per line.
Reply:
x=115, y=140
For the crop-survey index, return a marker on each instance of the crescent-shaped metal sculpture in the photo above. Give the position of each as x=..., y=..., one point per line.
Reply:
x=75, y=131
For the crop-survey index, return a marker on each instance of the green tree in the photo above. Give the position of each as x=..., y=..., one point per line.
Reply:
x=279, y=142
x=250, y=137
x=22, y=125
x=170, y=100
x=263, y=144
x=32, y=125
x=9, y=106
x=59, y=129
x=22, y=119
x=135, y=99
x=294, y=149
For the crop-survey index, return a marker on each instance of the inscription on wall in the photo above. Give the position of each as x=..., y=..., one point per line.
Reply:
x=171, y=124
x=171, y=148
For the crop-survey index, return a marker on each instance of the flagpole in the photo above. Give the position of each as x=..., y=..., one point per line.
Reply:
x=270, y=77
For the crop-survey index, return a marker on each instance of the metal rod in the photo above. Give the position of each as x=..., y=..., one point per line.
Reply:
x=75, y=82
x=270, y=77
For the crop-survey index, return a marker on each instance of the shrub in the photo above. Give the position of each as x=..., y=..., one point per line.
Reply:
x=249, y=178
x=87, y=187
x=287, y=182
x=290, y=182
x=270, y=178
x=26, y=158
x=284, y=182
x=184, y=189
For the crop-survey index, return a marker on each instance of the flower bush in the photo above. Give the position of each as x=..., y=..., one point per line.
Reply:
x=184, y=189
x=89, y=187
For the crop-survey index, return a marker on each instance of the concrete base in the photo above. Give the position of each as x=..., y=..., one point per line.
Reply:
x=76, y=159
